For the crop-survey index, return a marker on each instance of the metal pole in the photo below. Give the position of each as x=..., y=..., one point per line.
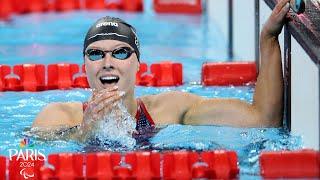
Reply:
x=287, y=77
x=257, y=32
x=230, y=29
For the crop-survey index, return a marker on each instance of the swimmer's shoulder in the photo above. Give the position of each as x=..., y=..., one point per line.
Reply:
x=170, y=96
x=59, y=114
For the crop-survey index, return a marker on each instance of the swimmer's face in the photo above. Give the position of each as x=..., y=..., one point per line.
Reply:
x=109, y=71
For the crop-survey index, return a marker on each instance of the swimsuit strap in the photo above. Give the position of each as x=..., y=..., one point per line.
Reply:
x=143, y=114
x=84, y=106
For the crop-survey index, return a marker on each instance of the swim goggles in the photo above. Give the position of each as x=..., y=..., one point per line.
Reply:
x=121, y=53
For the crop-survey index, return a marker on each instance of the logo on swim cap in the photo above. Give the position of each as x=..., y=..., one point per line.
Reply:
x=107, y=24
x=136, y=41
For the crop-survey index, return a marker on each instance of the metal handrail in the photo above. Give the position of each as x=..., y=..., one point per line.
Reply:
x=305, y=29
x=257, y=33
x=230, y=29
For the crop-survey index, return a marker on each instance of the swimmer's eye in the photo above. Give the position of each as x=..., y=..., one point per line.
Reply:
x=121, y=53
x=95, y=54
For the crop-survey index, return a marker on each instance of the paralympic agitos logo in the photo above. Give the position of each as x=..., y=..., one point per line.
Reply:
x=26, y=155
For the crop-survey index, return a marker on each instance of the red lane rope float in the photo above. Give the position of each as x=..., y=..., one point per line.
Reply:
x=213, y=165
x=60, y=76
x=38, y=5
x=165, y=73
x=228, y=73
x=97, y=4
x=67, y=5
x=113, y=5
x=8, y=7
x=290, y=164
x=32, y=76
x=66, y=166
x=12, y=83
x=100, y=165
x=178, y=6
x=3, y=166
x=143, y=165
x=29, y=6
x=4, y=71
x=80, y=80
x=132, y=5
x=19, y=7
x=142, y=70
x=218, y=164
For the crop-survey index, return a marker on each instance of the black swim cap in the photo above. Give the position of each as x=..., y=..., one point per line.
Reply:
x=114, y=29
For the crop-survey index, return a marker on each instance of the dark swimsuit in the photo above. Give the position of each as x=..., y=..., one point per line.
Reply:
x=144, y=120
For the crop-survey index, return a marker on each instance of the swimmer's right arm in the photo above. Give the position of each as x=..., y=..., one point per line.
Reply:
x=67, y=120
x=59, y=116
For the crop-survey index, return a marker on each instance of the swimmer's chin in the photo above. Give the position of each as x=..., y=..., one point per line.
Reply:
x=106, y=86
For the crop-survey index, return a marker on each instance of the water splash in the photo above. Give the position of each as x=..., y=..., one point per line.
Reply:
x=115, y=130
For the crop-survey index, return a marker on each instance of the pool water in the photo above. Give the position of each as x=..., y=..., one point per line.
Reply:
x=188, y=39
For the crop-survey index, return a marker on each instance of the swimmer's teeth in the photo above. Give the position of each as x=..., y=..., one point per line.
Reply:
x=109, y=79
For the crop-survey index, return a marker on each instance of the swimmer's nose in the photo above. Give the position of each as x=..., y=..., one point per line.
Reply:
x=108, y=62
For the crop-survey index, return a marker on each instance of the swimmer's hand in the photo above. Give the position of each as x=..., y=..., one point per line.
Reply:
x=275, y=22
x=99, y=105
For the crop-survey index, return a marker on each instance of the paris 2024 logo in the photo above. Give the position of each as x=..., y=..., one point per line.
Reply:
x=27, y=157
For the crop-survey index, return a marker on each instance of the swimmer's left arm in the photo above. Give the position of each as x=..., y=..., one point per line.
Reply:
x=192, y=109
x=231, y=112
x=267, y=107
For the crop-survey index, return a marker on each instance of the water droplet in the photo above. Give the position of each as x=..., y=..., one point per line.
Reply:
x=244, y=134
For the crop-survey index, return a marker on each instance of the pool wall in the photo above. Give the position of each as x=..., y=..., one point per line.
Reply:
x=304, y=73
x=304, y=97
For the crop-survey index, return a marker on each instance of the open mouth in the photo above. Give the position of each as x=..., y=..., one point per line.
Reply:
x=111, y=79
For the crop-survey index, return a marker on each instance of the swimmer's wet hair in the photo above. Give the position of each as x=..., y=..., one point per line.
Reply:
x=115, y=29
